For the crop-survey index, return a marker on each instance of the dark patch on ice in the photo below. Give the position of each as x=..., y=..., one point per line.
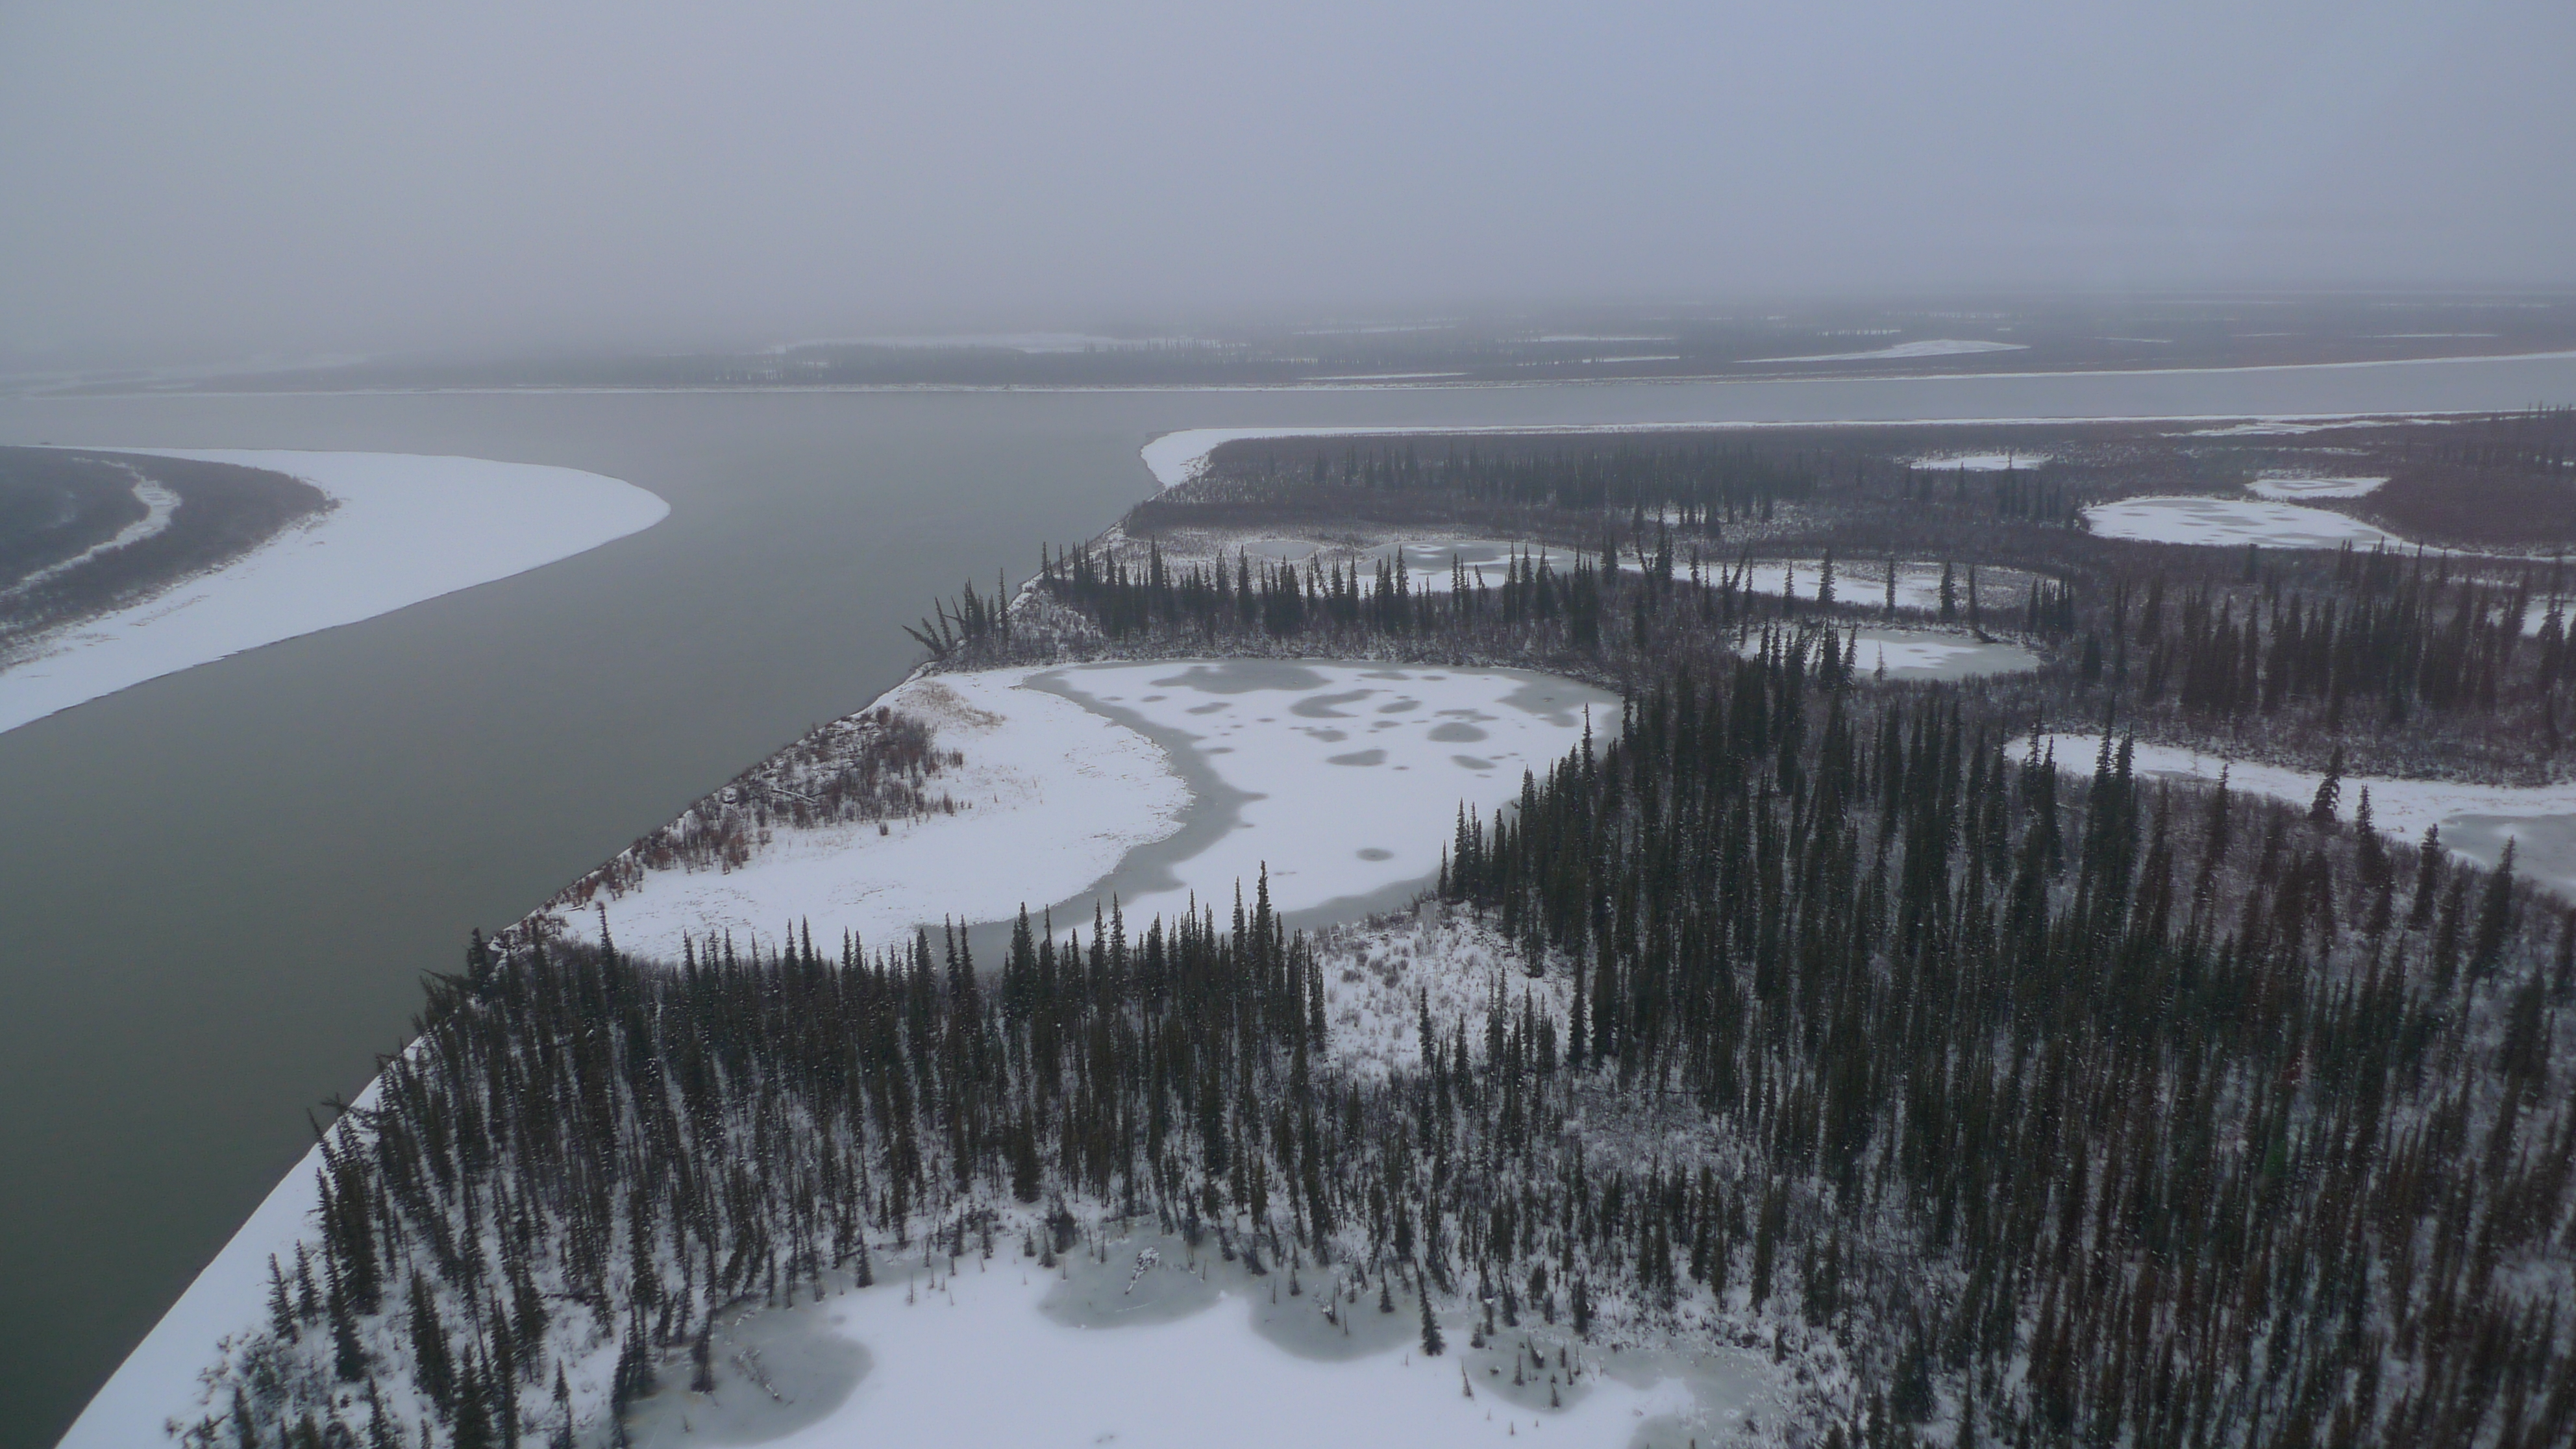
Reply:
x=1357, y=757
x=1352, y=1328
x=1400, y=706
x=810, y=1368
x=1470, y=762
x=1373, y=853
x=1330, y=737
x=1558, y=701
x=1209, y=708
x=1454, y=733
x=1238, y=676
x=1320, y=706
x=1147, y=1279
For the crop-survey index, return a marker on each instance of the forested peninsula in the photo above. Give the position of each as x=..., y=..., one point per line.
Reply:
x=1986, y=1095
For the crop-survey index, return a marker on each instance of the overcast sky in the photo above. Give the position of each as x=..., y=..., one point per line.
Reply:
x=238, y=178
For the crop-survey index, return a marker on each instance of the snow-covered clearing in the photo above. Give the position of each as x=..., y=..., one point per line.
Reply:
x=2203, y=519
x=1000, y=1351
x=1378, y=978
x=2293, y=489
x=2476, y=820
x=407, y=528
x=1935, y=347
x=1342, y=777
x=1052, y=796
x=158, y=504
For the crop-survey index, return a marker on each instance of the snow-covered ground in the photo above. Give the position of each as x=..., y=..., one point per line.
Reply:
x=1342, y=777
x=1379, y=979
x=407, y=528
x=1052, y=796
x=992, y=1354
x=2476, y=820
x=2291, y=490
x=1935, y=347
x=2205, y=519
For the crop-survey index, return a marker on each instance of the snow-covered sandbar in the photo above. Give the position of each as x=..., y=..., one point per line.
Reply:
x=406, y=528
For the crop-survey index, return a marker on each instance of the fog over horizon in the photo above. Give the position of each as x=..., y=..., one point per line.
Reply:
x=291, y=180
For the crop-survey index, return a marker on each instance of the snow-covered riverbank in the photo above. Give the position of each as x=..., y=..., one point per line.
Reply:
x=407, y=528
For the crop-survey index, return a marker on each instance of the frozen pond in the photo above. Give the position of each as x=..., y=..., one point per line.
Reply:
x=1146, y=782
x=1149, y=1343
x=1343, y=778
x=2291, y=490
x=2227, y=521
x=1917, y=654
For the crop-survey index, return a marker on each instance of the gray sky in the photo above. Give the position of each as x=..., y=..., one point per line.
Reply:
x=249, y=177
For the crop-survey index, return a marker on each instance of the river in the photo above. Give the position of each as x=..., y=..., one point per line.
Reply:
x=218, y=889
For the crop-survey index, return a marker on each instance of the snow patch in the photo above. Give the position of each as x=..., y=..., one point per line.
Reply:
x=407, y=528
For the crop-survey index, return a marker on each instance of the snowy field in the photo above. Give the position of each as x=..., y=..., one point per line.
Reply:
x=1052, y=796
x=2476, y=820
x=407, y=528
x=1145, y=1343
x=1344, y=778
x=2291, y=490
x=2226, y=522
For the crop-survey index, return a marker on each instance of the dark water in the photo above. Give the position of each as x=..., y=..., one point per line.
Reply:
x=218, y=889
